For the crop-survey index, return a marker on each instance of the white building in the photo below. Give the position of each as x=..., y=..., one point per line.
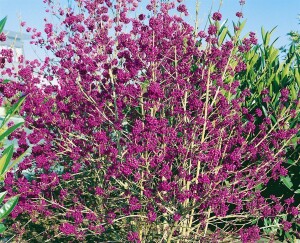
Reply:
x=14, y=41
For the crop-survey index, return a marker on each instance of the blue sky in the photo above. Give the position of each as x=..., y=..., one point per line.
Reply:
x=267, y=13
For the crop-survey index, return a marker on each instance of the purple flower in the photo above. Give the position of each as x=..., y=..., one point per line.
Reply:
x=217, y=16
x=239, y=14
x=258, y=112
x=286, y=225
x=2, y=37
x=151, y=216
x=212, y=30
x=294, y=211
x=250, y=234
x=133, y=236
x=142, y=16
x=177, y=217
x=68, y=229
x=284, y=94
x=182, y=9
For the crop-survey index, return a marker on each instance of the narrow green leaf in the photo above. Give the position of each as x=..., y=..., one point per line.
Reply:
x=297, y=191
x=273, y=119
x=273, y=29
x=2, y=228
x=293, y=92
x=217, y=24
x=2, y=196
x=267, y=221
x=286, y=70
x=242, y=25
x=264, y=111
x=291, y=162
x=10, y=130
x=5, y=81
x=263, y=33
x=16, y=106
x=297, y=76
x=260, y=87
x=222, y=36
x=288, y=236
x=270, y=79
x=240, y=28
x=254, y=60
x=17, y=160
x=5, y=159
x=8, y=207
x=223, y=25
x=12, y=110
x=273, y=55
x=274, y=40
x=275, y=87
x=2, y=23
x=267, y=39
x=287, y=182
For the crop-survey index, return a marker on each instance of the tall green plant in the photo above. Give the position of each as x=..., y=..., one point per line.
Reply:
x=6, y=162
x=272, y=77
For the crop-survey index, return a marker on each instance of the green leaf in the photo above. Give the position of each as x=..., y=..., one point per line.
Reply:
x=273, y=119
x=2, y=195
x=8, y=207
x=254, y=60
x=5, y=81
x=260, y=87
x=223, y=25
x=291, y=162
x=242, y=25
x=217, y=24
x=270, y=79
x=2, y=228
x=297, y=191
x=268, y=36
x=263, y=33
x=259, y=187
x=288, y=236
x=145, y=85
x=273, y=55
x=222, y=36
x=297, y=76
x=275, y=39
x=287, y=182
x=198, y=43
x=15, y=106
x=264, y=111
x=6, y=157
x=17, y=160
x=10, y=130
x=240, y=28
x=286, y=70
x=2, y=23
x=293, y=92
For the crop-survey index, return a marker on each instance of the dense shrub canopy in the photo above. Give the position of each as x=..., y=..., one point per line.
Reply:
x=140, y=132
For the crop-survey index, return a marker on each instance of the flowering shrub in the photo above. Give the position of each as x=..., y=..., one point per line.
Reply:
x=274, y=92
x=142, y=134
